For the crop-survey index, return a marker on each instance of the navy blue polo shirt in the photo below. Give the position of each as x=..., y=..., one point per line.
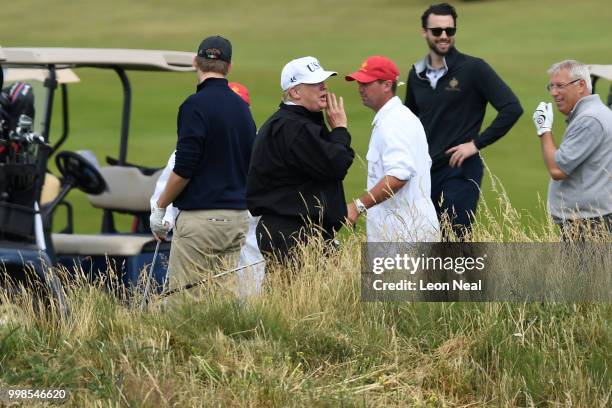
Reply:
x=216, y=132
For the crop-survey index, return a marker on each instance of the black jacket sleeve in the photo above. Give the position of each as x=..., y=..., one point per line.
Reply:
x=508, y=107
x=410, y=100
x=321, y=157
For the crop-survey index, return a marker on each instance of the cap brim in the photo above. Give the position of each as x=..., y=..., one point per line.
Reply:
x=360, y=76
x=319, y=77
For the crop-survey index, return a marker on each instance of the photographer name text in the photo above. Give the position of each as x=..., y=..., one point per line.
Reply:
x=421, y=285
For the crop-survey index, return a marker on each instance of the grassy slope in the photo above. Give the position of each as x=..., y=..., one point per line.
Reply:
x=520, y=39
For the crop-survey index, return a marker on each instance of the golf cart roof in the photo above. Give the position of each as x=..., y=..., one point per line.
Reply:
x=143, y=60
x=602, y=71
x=64, y=76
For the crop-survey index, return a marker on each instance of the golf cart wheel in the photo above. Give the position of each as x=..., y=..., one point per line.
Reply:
x=75, y=169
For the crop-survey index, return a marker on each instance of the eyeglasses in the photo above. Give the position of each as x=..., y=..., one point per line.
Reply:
x=437, y=31
x=550, y=87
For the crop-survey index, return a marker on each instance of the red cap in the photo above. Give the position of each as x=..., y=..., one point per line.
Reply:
x=374, y=68
x=241, y=90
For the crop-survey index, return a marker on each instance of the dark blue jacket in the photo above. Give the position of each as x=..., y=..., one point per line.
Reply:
x=215, y=138
x=453, y=112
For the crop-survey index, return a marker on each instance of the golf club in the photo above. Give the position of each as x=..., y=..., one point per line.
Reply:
x=191, y=285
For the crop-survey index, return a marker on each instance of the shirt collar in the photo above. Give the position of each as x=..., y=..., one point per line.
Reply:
x=208, y=82
x=387, y=107
x=428, y=67
x=300, y=110
x=580, y=105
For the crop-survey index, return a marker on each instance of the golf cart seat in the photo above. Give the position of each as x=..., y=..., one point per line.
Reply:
x=126, y=190
x=129, y=190
x=111, y=244
x=50, y=189
x=125, y=254
x=116, y=188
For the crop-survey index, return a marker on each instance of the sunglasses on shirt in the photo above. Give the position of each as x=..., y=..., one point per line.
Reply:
x=437, y=31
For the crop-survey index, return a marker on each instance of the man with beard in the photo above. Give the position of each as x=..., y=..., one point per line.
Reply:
x=297, y=167
x=449, y=92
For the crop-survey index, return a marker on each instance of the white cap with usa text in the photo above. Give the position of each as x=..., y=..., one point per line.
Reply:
x=305, y=70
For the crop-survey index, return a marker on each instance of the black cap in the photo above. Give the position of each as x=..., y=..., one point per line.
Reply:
x=216, y=47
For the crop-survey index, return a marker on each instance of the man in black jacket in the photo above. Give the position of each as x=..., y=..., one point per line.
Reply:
x=449, y=92
x=297, y=166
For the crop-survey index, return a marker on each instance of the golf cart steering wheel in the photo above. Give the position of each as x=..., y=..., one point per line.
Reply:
x=80, y=173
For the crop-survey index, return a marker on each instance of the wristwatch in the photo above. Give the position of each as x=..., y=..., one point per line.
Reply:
x=361, y=208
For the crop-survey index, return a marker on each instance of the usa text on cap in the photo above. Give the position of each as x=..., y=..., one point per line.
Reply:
x=305, y=70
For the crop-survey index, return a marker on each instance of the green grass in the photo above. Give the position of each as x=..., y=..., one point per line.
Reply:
x=520, y=39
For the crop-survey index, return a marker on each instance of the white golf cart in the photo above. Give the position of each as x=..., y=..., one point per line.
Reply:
x=118, y=187
x=599, y=72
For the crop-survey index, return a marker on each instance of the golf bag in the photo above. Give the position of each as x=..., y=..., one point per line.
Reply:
x=4, y=115
x=21, y=162
x=15, y=100
x=18, y=100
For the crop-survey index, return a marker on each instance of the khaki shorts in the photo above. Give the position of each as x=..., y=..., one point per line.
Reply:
x=205, y=243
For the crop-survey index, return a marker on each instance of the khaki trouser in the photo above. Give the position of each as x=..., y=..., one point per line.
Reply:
x=205, y=243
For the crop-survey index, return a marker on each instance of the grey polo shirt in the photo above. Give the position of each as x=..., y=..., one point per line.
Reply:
x=585, y=155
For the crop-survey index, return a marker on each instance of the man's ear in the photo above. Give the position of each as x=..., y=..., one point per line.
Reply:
x=193, y=62
x=388, y=85
x=585, y=90
x=295, y=92
x=229, y=68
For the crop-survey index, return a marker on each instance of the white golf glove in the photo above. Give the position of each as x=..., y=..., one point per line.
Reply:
x=543, y=118
x=158, y=227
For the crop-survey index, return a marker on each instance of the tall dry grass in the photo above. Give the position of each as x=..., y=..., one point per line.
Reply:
x=313, y=342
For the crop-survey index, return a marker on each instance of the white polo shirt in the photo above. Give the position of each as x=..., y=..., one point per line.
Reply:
x=398, y=148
